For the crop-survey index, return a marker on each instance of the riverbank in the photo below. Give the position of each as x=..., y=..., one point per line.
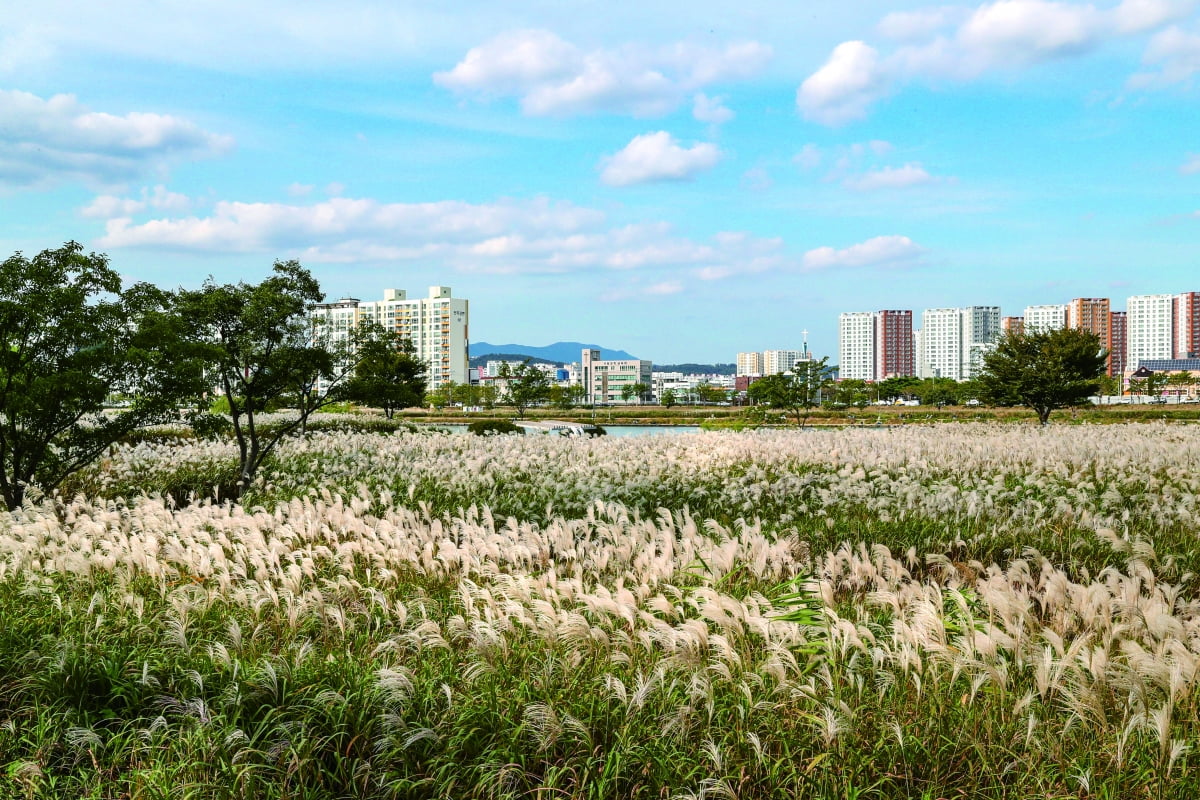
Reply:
x=735, y=417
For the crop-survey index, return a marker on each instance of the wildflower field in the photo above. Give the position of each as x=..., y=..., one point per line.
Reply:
x=918, y=612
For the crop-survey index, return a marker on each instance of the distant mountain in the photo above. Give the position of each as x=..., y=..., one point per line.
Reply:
x=559, y=352
x=481, y=360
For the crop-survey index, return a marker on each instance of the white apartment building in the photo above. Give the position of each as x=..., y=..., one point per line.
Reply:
x=777, y=361
x=1150, y=333
x=437, y=326
x=1045, y=318
x=953, y=341
x=856, y=345
x=604, y=380
x=750, y=364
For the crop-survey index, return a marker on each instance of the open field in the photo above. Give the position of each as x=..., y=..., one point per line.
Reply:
x=916, y=611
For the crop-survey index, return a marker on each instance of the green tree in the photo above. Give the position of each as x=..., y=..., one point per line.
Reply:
x=260, y=348
x=565, y=397
x=442, y=396
x=937, y=391
x=668, y=398
x=898, y=387
x=1109, y=385
x=1043, y=370
x=627, y=392
x=798, y=392
x=388, y=375
x=711, y=394
x=70, y=337
x=526, y=385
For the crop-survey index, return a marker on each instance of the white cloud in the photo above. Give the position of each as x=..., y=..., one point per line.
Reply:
x=809, y=157
x=47, y=141
x=657, y=157
x=107, y=206
x=919, y=24
x=554, y=77
x=300, y=189
x=505, y=237
x=879, y=251
x=1176, y=53
x=949, y=44
x=1192, y=165
x=889, y=178
x=711, y=109
x=845, y=86
x=664, y=288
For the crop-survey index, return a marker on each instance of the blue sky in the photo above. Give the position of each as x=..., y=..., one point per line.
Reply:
x=673, y=179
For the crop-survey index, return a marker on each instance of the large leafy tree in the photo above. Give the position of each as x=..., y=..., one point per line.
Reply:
x=799, y=391
x=526, y=385
x=262, y=350
x=1043, y=370
x=388, y=375
x=70, y=337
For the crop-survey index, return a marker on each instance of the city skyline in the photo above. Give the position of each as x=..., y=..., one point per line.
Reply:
x=681, y=186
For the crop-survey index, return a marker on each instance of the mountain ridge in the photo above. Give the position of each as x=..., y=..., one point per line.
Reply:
x=559, y=352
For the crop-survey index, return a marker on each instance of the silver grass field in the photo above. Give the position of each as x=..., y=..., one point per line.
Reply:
x=949, y=611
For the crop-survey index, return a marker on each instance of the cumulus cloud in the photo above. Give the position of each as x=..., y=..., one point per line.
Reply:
x=44, y=141
x=505, y=237
x=889, y=178
x=845, y=87
x=107, y=206
x=711, y=109
x=554, y=77
x=951, y=44
x=657, y=157
x=879, y=251
x=1175, y=53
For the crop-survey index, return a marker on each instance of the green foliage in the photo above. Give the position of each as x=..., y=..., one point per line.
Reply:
x=526, y=385
x=260, y=348
x=70, y=337
x=798, y=391
x=1043, y=370
x=566, y=397
x=668, y=398
x=388, y=375
x=491, y=427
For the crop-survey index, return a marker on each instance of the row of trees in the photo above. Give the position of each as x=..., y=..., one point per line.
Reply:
x=71, y=337
x=1043, y=370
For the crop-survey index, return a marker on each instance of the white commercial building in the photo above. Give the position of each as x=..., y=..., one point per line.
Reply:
x=1045, y=318
x=603, y=381
x=953, y=341
x=436, y=325
x=1150, y=332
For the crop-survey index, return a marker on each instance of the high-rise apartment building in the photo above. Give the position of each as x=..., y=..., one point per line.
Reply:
x=750, y=364
x=436, y=325
x=1045, y=318
x=954, y=340
x=874, y=345
x=1118, y=326
x=1012, y=324
x=1151, y=327
x=777, y=361
x=981, y=329
x=1187, y=325
x=1093, y=314
x=856, y=345
x=895, y=353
